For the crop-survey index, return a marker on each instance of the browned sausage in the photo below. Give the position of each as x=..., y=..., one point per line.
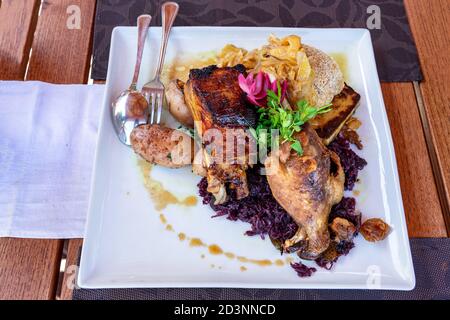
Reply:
x=163, y=146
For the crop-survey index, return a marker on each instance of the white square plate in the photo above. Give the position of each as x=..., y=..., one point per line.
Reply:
x=126, y=245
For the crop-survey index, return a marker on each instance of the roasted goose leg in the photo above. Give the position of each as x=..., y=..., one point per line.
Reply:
x=307, y=187
x=221, y=117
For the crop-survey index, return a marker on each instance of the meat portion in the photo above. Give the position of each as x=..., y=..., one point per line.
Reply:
x=307, y=187
x=221, y=116
x=216, y=100
x=328, y=125
x=163, y=146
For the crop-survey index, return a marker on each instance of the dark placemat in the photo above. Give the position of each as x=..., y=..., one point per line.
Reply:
x=431, y=259
x=394, y=46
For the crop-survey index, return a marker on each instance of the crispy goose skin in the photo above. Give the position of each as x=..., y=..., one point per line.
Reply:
x=215, y=98
x=307, y=187
x=217, y=102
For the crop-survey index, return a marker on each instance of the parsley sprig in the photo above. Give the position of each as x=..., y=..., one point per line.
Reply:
x=286, y=120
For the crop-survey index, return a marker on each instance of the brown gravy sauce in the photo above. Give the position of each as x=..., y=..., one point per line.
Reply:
x=160, y=196
x=196, y=242
x=216, y=250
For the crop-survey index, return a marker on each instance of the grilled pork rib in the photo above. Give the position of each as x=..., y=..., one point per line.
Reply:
x=221, y=117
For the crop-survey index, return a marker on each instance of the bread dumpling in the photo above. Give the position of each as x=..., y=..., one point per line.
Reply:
x=328, y=78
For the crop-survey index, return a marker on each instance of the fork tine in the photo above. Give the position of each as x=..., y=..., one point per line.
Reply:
x=147, y=96
x=152, y=110
x=159, y=106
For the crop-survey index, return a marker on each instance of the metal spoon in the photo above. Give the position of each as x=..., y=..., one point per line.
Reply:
x=131, y=108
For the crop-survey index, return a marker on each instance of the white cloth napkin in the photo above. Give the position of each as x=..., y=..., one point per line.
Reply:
x=48, y=135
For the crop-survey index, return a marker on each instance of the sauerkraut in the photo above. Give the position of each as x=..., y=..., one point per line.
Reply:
x=283, y=59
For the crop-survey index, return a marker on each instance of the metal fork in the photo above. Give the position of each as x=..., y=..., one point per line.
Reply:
x=154, y=90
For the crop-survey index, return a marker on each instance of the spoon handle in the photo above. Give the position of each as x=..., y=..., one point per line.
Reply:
x=169, y=11
x=143, y=23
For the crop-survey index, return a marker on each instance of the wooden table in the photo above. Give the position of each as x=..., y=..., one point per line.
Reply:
x=35, y=44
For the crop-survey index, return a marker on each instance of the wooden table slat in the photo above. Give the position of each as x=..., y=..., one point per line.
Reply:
x=17, y=24
x=62, y=54
x=430, y=25
x=29, y=268
x=420, y=197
